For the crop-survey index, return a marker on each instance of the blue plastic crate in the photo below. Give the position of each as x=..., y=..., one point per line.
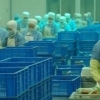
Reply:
x=70, y=43
x=61, y=51
x=8, y=82
x=69, y=71
x=40, y=91
x=21, y=80
x=86, y=45
x=77, y=60
x=43, y=47
x=18, y=52
x=65, y=85
x=70, y=66
x=85, y=35
x=60, y=60
x=67, y=35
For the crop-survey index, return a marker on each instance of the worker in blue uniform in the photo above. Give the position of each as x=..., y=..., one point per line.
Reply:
x=14, y=38
x=31, y=33
x=70, y=21
x=63, y=26
x=50, y=28
x=22, y=23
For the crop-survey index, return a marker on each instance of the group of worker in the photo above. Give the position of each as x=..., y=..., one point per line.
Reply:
x=23, y=29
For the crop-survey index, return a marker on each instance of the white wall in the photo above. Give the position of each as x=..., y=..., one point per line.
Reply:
x=35, y=7
x=87, y=6
x=4, y=12
x=68, y=6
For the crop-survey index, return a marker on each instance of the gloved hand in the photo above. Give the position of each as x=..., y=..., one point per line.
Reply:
x=98, y=87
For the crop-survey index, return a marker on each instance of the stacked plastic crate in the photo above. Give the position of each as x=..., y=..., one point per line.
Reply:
x=86, y=41
x=18, y=52
x=25, y=78
x=69, y=38
x=66, y=80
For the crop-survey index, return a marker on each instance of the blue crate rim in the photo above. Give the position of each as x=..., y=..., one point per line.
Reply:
x=27, y=66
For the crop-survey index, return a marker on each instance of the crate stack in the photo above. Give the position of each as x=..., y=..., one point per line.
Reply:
x=23, y=75
x=67, y=79
x=70, y=39
x=85, y=42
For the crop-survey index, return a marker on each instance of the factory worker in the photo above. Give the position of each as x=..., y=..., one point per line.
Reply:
x=31, y=33
x=75, y=16
x=70, y=22
x=79, y=16
x=57, y=18
x=46, y=17
x=16, y=17
x=39, y=23
x=14, y=38
x=95, y=63
x=3, y=35
x=50, y=28
x=84, y=23
x=23, y=23
x=87, y=19
x=63, y=26
x=78, y=23
x=44, y=20
x=90, y=18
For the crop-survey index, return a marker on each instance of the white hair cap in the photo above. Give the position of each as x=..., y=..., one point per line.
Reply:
x=62, y=19
x=38, y=18
x=51, y=15
x=58, y=15
x=86, y=15
x=12, y=25
x=26, y=14
x=32, y=21
x=67, y=15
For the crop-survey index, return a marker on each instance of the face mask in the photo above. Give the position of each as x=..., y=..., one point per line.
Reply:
x=25, y=20
x=11, y=33
x=31, y=29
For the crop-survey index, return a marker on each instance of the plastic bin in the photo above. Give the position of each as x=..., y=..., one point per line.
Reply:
x=40, y=91
x=67, y=35
x=61, y=51
x=14, y=82
x=43, y=47
x=69, y=71
x=77, y=60
x=86, y=44
x=65, y=85
x=18, y=52
x=70, y=43
x=86, y=35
